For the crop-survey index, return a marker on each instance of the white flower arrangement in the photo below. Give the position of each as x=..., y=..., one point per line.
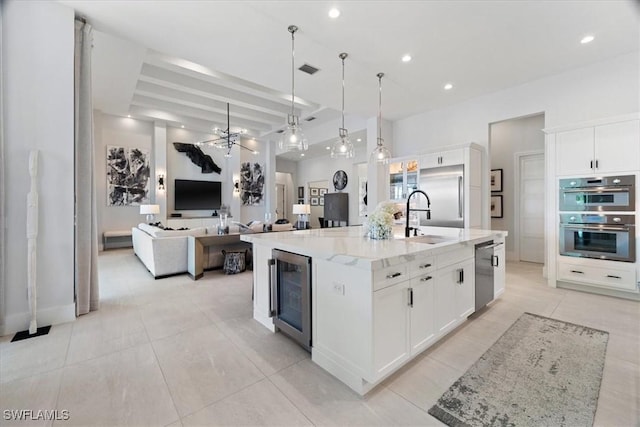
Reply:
x=380, y=220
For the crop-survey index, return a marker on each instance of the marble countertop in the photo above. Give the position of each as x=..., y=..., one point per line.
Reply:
x=350, y=246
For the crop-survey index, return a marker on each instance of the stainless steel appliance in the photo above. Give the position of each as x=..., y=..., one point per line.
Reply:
x=612, y=193
x=290, y=293
x=486, y=261
x=445, y=187
x=600, y=236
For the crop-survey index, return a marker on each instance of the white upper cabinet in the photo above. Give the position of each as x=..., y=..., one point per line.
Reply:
x=602, y=149
x=443, y=158
x=403, y=179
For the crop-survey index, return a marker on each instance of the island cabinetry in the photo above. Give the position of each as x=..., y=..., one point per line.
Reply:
x=262, y=298
x=499, y=262
x=454, y=294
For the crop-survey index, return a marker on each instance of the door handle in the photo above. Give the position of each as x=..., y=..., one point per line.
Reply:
x=596, y=164
x=425, y=266
x=460, y=197
x=497, y=259
x=613, y=277
x=270, y=264
x=392, y=275
x=591, y=164
x=410, y=297
x=577, y=271
x=427, y=278
x=461, y=276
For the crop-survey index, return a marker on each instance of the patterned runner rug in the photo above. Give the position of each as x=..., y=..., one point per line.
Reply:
x=541, y=371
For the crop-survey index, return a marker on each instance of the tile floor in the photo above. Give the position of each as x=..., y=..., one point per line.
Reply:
x=175, y=352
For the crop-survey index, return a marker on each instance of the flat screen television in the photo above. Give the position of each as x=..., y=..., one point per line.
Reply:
x=197, y=195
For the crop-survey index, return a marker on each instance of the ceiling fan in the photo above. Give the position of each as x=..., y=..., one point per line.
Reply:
x=226, y=139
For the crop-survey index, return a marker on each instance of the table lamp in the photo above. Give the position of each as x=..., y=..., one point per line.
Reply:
x=150, y=211
x=302, y=211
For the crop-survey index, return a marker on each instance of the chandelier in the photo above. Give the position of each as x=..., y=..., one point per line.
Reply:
x=226, y=139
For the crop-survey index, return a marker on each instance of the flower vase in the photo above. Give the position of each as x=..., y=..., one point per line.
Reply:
x=380, y=232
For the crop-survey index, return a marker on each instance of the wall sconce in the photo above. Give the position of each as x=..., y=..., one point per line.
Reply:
x=236, y=187
x=160, y=182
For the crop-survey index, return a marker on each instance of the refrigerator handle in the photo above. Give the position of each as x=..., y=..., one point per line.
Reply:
x=460, y=197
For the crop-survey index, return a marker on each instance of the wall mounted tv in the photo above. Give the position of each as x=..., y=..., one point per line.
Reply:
x=197, y=195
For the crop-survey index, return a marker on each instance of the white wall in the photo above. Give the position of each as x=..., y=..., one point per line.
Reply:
x=507, y=138
x=37, y=75
x=604, y=89
x=111, y=130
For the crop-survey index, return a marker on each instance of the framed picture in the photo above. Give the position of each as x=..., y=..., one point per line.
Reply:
x=496, y=206
x=496, y=179
x=323, y=191
x=300, y=192
x=314, y=191
x=314, y=200
x=321, y=201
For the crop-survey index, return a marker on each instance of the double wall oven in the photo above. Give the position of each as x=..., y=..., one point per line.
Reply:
x=598, y=219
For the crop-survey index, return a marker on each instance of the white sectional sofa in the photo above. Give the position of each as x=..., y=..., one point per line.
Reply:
x=164, y=252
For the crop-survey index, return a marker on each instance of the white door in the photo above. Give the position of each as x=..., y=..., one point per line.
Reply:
x=531, y=194
x=280, y=202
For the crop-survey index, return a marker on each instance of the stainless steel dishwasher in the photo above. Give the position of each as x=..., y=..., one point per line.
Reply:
x=485, y=263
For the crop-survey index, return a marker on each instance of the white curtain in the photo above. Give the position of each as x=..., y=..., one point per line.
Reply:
x=86, y=230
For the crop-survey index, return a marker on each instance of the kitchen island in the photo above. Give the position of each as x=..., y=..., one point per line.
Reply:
x=376, y=304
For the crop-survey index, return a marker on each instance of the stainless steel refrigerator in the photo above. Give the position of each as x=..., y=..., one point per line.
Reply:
x=445, y=187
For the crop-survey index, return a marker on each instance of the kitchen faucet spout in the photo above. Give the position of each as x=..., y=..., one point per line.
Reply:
x=408, y=229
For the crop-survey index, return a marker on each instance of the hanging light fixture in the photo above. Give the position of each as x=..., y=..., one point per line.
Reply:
x=342, y=147
x=380, y=154
x=292, y=137
x=226, y=139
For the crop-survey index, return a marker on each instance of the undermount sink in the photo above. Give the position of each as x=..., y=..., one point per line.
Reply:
x=430, y=239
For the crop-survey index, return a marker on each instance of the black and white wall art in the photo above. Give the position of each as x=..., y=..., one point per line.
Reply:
x=127, y=176
x=252, y=184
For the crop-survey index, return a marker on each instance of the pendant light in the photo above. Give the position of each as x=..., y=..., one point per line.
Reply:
x=380, y=154
x=342, y=147
x=292, y=137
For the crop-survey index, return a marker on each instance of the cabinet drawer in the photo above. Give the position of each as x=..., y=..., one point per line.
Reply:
x=454, y=257
x=421, y=266
x=389, y=276
x=618, y=279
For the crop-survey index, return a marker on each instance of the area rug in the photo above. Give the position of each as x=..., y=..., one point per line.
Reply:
x=540, y=372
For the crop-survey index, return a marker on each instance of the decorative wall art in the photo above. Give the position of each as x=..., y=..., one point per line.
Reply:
x=323, y=191
x=314, y=201
x=300, y=192
x=496, y=180
x=313, y=191
x=321, y=201
x=362, y=196
x=496, y=206
x=198, y=158
x=251, y=184
x=127, y=176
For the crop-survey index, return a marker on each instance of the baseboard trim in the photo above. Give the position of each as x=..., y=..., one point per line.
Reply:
x=48, y=316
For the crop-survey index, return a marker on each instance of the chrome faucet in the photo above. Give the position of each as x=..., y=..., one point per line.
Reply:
x=407, y=229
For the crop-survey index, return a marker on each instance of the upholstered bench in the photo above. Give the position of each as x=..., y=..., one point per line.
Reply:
x=117, y=239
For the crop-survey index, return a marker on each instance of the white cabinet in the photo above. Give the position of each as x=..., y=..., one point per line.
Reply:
x=422, y=320
x=443, y=158
x=605, y=274
x=465, y=294
x=600, y=149
x=391, y=325
x=403, y=178
x=455, y=294
x=499, y=262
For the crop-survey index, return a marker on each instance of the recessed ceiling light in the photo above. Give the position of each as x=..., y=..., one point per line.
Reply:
x=334, y=13
x=406, y=58
x=448, y=86
x=327, y=148
x=587, y=39
x=359, y=140
x=129, y=115
x=301, y=154
x=182, y=126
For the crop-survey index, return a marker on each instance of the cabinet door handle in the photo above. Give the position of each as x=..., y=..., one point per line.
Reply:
x=425, y=266
x=577, y=271
x=461, y=276
x=270, y=264
x=424, y=279
x=497, y=261
x=613, y=277
x=410, y=297
x=596, y=164
x=392, y=275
